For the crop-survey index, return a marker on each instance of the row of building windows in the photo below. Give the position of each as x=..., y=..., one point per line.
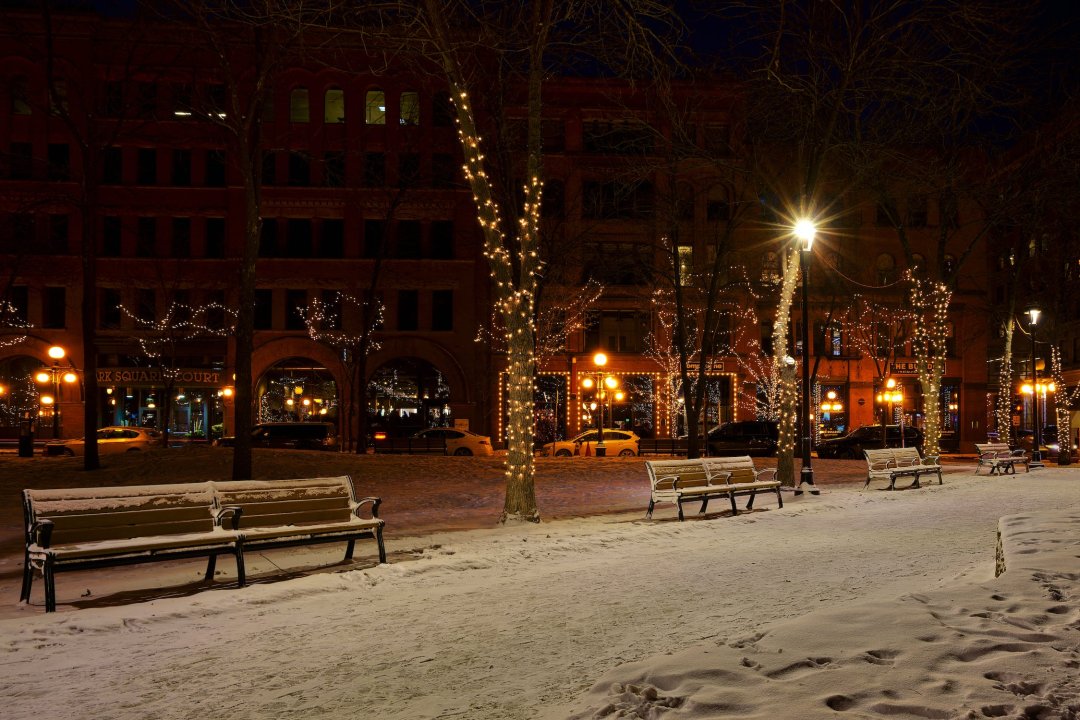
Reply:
x=286, y=309
x=205, y=237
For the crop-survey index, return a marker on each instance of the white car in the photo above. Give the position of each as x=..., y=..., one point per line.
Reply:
x=109, y=440
x=621, y=443
x=459, y=442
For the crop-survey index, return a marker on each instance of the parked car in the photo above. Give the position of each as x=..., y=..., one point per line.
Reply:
x=459, y=442
x=744, y=437
x=293, y=435
x=868, y=437
x=109, y=440
x=616, y=442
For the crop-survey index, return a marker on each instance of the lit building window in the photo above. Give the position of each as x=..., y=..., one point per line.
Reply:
x=375, y=108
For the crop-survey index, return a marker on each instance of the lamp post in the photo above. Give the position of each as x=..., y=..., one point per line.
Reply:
x=53, y=374
x=805, y=231
x=1036, y=451
x=599, y=360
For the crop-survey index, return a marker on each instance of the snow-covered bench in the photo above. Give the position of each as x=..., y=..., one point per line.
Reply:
x=892, y=463
x=1000, y=458
x=83, y=528
x=679, y=481
x=308, y=511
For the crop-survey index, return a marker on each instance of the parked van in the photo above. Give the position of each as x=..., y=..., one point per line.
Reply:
x=295, y=435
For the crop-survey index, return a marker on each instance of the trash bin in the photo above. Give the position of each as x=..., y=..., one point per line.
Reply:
x=26, y=436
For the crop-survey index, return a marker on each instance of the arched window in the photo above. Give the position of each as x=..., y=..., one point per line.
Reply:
x=20, y=102
x=375, y=108
x=410, y=108
x=886, y=269
x=299, y=109
x=950, y=265
x=334, y=106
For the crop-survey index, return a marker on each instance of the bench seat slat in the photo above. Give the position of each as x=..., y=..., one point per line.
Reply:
x=137, y=545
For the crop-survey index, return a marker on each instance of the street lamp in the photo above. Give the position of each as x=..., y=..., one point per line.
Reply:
x=1036, y=451
x=600, y=360
x=892, y=395
x=53, y=375
x=805, y=230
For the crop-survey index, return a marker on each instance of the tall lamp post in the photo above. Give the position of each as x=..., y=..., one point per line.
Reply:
x=1036, y=451
x=805, y=230
x=53, y=375
x=599, y=360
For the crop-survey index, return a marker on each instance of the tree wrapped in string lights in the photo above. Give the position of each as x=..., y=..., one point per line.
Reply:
x=930, y=309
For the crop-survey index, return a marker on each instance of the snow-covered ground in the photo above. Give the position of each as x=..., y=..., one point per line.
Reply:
x=862, y=604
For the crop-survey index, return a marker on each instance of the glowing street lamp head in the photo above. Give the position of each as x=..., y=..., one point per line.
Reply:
x=1027, y=389
x=599, y=359
x=42, y=377
x=56, y=352
x=805, y=230
x=587, y=383
x=70, y=377
x=1034, y=313
x=611, y=382
x=47, y=399
x=890, y=383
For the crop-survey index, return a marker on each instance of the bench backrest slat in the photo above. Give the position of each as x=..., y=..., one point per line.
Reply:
x=741, y=468
x=690, y=473
x=272, y=503
x=90, y=514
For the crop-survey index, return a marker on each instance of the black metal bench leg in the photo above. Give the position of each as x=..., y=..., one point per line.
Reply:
x=382, y=548
x=734, y=506
x=779, y=498
x=241, y=571
x=679, y=502
x=349, y=549
x=704, y=505
x=211, y=565
x=648, y=513
x=939, y=477
x=49, y=576
x=750, y=504
x=27, y=579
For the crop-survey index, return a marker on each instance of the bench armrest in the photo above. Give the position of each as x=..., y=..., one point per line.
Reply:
x=931, y=460
x=41, y=533
x=233, y=512
x=373, y=501
x=1020, y=453
x=765, y=474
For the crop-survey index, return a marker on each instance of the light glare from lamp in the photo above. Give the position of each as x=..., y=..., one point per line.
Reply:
x=805, y=230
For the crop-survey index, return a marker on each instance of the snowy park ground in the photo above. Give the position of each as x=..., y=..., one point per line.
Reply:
x=848, y=604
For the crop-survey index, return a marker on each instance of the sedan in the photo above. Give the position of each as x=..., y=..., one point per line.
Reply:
x=616, y=442
x=459, y=442
x=109, y=440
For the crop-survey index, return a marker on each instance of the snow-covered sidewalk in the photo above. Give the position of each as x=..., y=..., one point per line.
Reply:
x=883, y=603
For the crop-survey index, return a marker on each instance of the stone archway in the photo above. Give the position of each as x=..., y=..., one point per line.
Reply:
x=408, y=394
x=296, y=389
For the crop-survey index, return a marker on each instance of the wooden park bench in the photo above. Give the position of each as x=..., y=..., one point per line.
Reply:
x=81, y=528
x=679, y=481
x=308, y=511
x=1001, y=459
x=893, y=463
x=84, y=528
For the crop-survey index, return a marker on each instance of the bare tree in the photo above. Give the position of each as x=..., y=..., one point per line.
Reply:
x=246, y=44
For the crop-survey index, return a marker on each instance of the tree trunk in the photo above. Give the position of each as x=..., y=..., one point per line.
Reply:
x=785, y=372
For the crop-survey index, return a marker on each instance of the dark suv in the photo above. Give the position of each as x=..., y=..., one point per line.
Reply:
x=745, y=437
x=296, y=435
x=868, y=437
